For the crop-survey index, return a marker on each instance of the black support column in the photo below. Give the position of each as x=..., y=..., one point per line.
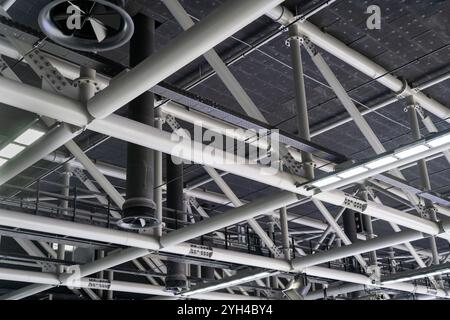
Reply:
x=348, y=218
x=140, y=160
x=176, y=272
x=350, y=229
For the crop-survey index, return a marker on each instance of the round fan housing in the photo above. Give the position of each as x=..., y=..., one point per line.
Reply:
x=87, y=25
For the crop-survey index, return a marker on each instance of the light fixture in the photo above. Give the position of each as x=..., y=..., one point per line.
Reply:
x=240, y=278
x=11, y=150
x=421, y=273
x=67, y=247
x=2, y=161
x=298, y=288
x=411, y=151
x=352, y=172
x=326, y=181
x=381, y=162
x=439, y=141
x=385, y=162
x=29, y=137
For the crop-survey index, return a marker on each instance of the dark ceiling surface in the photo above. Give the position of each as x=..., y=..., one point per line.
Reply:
x=413, y=43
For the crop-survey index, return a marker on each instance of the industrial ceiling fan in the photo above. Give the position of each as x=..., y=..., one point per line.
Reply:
x=87, y=25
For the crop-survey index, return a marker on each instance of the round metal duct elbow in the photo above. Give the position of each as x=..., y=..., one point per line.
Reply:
x=176, y=283
x=139, y=214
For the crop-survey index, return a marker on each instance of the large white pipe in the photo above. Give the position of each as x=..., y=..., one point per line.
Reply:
x=229, y=130
x=50, y=280
x=364, y=280
x=234, y=216
x=384, y=104
x=51, y=141
x=356, y=248
x=191, y=44
x=7, y=4
x=359, y=61
x=90, y=167
x=81, y=118
x=72, y=229
x=221, y=69
x=67, y=110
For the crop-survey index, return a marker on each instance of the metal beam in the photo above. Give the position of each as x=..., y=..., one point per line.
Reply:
x=356, y=248
x=51, y=280
x=359, y=61
x=219, y=25
x=217, y=64
x=30, y=98
x=42, y=224
x=383, y=104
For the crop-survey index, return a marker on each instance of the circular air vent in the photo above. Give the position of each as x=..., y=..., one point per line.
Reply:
x=87, y=25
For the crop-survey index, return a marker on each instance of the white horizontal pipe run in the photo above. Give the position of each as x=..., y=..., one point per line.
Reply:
x=239, y=214
x=70, y=111
x=224, y=128
x=42, y=224
x=16, y=219
x=50, y=279
x=139, y=133
x=230, y=130
x=62, y=108
x=356, y=248
x=364, y=280
x=358, y=61
x=385, y=213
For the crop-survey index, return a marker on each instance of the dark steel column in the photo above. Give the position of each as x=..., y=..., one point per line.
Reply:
x=140, y=160
x=208, y=273
x=348, y=218
x=176, y=272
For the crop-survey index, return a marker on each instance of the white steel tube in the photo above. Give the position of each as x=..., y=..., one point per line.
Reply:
x=359, y=61
x=238, y=203
x=236, y=215
x=431, y=127
x=356, y=248
x=42, y=224
x=90, y=167
x=217, y=64
x=54, y=139
x=218, y=26
x=381, y=105
x=8, y=4
x=22, y=96
x=49, y=280
x=364, y=280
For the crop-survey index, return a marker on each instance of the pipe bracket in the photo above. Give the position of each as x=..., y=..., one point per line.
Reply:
x=404, y=91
